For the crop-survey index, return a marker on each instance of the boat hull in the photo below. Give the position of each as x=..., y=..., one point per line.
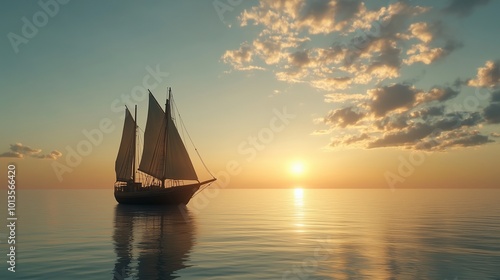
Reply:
x=178, y=195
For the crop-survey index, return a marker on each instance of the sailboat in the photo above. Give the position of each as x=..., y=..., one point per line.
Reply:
x=166, y=173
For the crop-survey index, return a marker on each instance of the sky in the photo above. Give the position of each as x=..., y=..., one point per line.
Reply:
x=321, y=94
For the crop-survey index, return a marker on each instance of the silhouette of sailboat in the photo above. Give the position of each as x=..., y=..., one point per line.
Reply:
x=167, y=175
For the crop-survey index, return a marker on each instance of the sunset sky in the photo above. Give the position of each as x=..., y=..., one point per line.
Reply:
x=329, y=94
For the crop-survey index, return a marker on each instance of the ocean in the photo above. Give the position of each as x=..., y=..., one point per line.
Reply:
x=257, y=234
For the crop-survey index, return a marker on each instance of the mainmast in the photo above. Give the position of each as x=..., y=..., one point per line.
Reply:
x=134, y=145
x=167, y=115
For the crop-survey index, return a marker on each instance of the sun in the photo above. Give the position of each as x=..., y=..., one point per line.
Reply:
x=297, y=168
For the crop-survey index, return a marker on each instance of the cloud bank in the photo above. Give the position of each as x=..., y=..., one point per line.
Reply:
x=19, y=150
x=370, y=47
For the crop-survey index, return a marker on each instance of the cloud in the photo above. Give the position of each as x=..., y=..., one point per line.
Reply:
x=324, y=16
x=344, y=98
x=299, y=59
x=24, y=150
x=495, y=96
x=428, y=112
x=349, y=140
x=406, y=136
x=386, y=61
x=422, y=31
x=394, y=122
x=332, y=83
x=464, y=8
x=422, y=53
x=11, y=155
x=428, y=34
x=343, y=117
x=437, y=94
x=321, y=132
x=404, y=116
x=269, y=49
x=241, y=58
x=465, y=139
x=417, y=134
x=345, y=46
x=487, y=76
x=52, y=155
x=370, y=43
x=19, y=150
x=492, y=113
x=455, y=120
x=390, y=98
x=356, y=138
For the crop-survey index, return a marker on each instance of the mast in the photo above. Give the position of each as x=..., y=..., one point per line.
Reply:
x=134, y=145
x=167, y=115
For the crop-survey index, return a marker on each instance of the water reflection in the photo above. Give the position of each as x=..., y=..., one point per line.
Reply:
x=151, y=242
x=298, y=194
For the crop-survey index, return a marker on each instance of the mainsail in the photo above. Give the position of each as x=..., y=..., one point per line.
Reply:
x=164, y=155
x=124, y=160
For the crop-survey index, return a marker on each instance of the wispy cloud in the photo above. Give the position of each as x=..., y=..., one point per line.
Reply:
x=11, y=155
x=487, y=76
x=19, y=150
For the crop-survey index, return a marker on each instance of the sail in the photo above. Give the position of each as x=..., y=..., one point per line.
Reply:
x=153, y=154
x=164, y=155
x=125, y=158
x=178, y=164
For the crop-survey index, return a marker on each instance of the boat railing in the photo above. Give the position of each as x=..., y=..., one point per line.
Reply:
x=128, y=186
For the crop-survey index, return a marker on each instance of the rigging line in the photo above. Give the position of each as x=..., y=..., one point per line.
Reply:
x=139, y=153
x=179, y=114
x=192, y=143
x=201, y=189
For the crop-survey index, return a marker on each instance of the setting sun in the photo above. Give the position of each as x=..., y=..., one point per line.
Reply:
x=297, y=168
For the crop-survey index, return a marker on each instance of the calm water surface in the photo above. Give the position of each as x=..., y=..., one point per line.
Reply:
x=259, y=234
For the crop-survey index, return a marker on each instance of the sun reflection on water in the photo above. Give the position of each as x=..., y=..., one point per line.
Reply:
x=298, y=194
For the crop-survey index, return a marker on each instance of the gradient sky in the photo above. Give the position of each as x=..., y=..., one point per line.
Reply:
x=386, y=94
